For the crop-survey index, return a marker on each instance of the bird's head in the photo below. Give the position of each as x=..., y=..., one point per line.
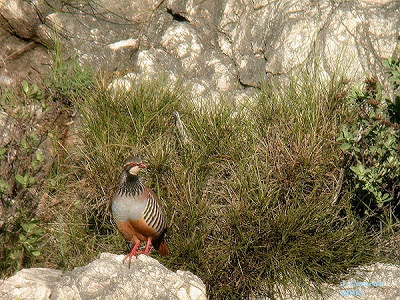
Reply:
x=133, y=164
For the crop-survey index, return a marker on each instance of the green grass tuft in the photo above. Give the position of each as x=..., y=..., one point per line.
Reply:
x=248, y=197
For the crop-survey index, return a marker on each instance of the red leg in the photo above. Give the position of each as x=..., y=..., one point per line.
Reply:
x=132, y=253
x=146, y=250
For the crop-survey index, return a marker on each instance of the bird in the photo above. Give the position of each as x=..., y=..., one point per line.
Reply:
x=137, y=211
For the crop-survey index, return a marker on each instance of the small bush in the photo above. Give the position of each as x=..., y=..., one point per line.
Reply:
x=26, y=119
x=32, y=129
x=393, y=67
x=67, y=79
x=371, y=141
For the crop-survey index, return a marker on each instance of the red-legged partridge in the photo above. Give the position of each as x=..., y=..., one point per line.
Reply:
x=138, y=212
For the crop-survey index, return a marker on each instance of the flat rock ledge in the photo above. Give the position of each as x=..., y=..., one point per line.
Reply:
x=105, y=278
x=108, y=278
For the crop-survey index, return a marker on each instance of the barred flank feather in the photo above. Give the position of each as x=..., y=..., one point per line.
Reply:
x=154, y=215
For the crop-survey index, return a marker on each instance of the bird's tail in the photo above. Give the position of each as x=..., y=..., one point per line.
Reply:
x=163, y=249
x=160, y=245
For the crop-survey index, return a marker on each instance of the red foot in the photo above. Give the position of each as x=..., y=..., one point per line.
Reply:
x=132, y=253
x=135, y=252
x=146, y=250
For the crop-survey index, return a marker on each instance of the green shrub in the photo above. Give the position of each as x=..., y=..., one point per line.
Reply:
x=33, y=128
x=393, y=67
x=67, y=79
x=371, y=142
x=24, y=124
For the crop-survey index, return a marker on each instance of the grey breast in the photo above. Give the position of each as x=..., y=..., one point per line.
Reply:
x=126, y=207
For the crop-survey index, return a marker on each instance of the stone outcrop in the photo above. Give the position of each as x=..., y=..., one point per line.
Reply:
x=32, y=284
x=378, y=281
x=21, y=60
x=217, y=48
x=105, y=278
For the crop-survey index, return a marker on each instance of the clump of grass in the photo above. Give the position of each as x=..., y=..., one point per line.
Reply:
x=248, y=198
x=67, y=79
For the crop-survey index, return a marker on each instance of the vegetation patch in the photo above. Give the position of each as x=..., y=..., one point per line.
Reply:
x=27, y=120
x=371, y=142
x=253, y=193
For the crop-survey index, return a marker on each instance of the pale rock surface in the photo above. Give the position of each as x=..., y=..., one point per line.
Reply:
x=379, y=281
x=21, y=17
x=21, y=60
x=8, y=128
x=30, y=284
x=105, y=278
x=215, y=48
x=103, y=34
x=154, y=63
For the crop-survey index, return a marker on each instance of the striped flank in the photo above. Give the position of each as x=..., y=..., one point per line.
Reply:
x=153, y=215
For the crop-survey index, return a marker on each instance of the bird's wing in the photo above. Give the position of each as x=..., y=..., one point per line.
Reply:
x=153, y=219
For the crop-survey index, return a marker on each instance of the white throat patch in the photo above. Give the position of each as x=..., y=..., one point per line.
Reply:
x=134, y=170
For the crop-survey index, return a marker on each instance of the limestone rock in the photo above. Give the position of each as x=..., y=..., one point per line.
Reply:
x=9, y=130
x=154, y=63
x=21, y=60
x=104, y=34
x=378, y=281
x=6, y=81
x=218, y=48
x=28, y=284
x=20, y=17
x=106, y=278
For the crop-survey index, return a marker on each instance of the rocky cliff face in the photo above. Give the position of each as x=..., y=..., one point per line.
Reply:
x=218, y=48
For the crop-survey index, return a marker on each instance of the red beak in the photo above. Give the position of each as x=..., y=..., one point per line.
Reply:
x=142, y=166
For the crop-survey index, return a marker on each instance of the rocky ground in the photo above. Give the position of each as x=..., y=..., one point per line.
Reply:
x=105, y=278
x=108, y=278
